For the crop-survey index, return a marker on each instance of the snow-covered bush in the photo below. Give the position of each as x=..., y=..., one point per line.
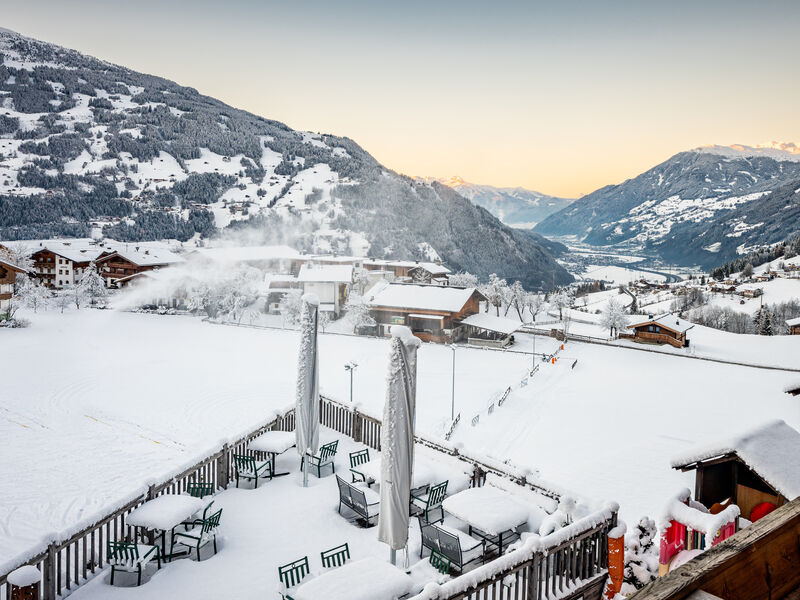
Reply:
x=92, y=284
x=357, y=313
x=290, y=307
x=641, y=556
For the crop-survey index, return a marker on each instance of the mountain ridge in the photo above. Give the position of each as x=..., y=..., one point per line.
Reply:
x=696, y=208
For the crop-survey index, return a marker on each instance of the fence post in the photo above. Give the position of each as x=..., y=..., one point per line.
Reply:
x=49, y=587
x=357, y=426
x=533, y=579
x=223, y=477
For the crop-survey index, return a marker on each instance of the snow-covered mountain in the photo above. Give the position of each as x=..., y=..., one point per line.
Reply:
x=699, y=207
x=87, y=143
x=517, y=207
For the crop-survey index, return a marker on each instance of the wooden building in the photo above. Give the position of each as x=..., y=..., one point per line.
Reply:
x=758, y=470
x=794, y=326
x=665, y=329
x=330, y=283
x=113, y=265
x=59, y=263
x=8, y=277
x=433, y=313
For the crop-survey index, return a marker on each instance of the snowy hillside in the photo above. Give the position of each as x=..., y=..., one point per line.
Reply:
x=699, y=207
x=517, y=207
x=84, y=143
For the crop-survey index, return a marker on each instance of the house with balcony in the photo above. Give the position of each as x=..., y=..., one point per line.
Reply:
x=434, y=313
x=664, y=329
x=124, y=261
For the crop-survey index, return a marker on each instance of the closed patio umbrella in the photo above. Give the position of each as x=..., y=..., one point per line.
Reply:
x=306, y=412
x=397, y=440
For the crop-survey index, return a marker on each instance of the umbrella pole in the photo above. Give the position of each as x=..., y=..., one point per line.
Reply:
x=393, y=556
x=305, y=471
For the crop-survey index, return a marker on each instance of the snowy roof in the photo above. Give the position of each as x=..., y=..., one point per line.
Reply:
x=668, y=321
x=418, y=296
x=79, y=250
x=11, y=266
x=771, y=450
x=492, y=323
x=246, y=253
x=146, y=257
x=326, y=273
x=793, y=322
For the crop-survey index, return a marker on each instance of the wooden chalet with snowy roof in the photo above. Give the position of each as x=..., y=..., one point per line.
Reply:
x=758, y=470
x=58, y=263
x=664, y=329
x=113, y=265
x=434, y=313
x=794, y=326
x=8, y=277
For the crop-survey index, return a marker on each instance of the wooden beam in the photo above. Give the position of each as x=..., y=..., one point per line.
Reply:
x=761, y=561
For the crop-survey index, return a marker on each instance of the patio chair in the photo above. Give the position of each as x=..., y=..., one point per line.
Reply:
x=247, y=467
x=360, y=499
x=440, y=562
x=323, y=458
x=198, y=517
x=292, y=574
x=200, y=489
x=359, y=457
x=335, y=557
x=200, y=535
x=430, y=503
x=131, y=557
x=458, y=547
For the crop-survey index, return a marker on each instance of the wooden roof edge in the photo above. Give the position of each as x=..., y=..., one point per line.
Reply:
x=691, y=466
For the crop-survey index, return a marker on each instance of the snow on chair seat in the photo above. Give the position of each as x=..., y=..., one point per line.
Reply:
x=247, y=467
x=430, y=502
x=360, y=499
x=324, y=458
x=458, y=547
x=200, y=535
x=131, y=557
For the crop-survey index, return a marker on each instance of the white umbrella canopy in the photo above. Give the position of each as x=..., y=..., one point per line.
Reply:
x=397, y=440
x=306, y=412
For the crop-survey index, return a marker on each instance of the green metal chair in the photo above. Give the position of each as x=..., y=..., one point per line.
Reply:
x=359, y=457
x=292, y=574
x=440, y=562
x=430, y=503
x=247, y=467
x=129, y=557
x=199, y=536
x=335, y=557
x=323, y=458
x=200, y=489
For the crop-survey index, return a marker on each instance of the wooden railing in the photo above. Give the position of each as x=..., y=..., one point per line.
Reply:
x=575, y=567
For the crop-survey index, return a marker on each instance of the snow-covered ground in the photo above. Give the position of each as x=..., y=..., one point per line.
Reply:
x=776, y=291
x=100, y=402
x=619, y=274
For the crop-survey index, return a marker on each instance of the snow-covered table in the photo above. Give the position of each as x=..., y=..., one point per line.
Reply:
x=164, y=513
x=273, y=443
x=491, y=513
x=365, y=579
x=423, y=473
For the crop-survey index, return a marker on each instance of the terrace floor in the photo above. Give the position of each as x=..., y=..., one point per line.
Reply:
x=275, y=524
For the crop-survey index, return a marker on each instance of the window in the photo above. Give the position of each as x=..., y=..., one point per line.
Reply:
x=650, y=328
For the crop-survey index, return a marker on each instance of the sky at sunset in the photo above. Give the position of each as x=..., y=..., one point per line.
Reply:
x=560, y=97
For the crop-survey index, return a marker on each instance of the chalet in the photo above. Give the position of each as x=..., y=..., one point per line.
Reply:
x=794, y=326
x=331, y=284
x=665, y=329
x=8, y=276
x=434, y=313
x=277, y=286
x=758, y=470
x=721, y=288
x=763, y=277
x=124, y=262
x=59, y=263
x=429, y=273
x=751, y=292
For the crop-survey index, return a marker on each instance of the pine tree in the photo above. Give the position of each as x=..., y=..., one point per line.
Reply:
x=92, y=284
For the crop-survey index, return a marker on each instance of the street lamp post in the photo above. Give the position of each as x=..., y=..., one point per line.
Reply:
x=453, y=387
x=351, y=366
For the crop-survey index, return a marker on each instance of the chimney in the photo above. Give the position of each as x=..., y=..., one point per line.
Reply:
x=650, y=317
